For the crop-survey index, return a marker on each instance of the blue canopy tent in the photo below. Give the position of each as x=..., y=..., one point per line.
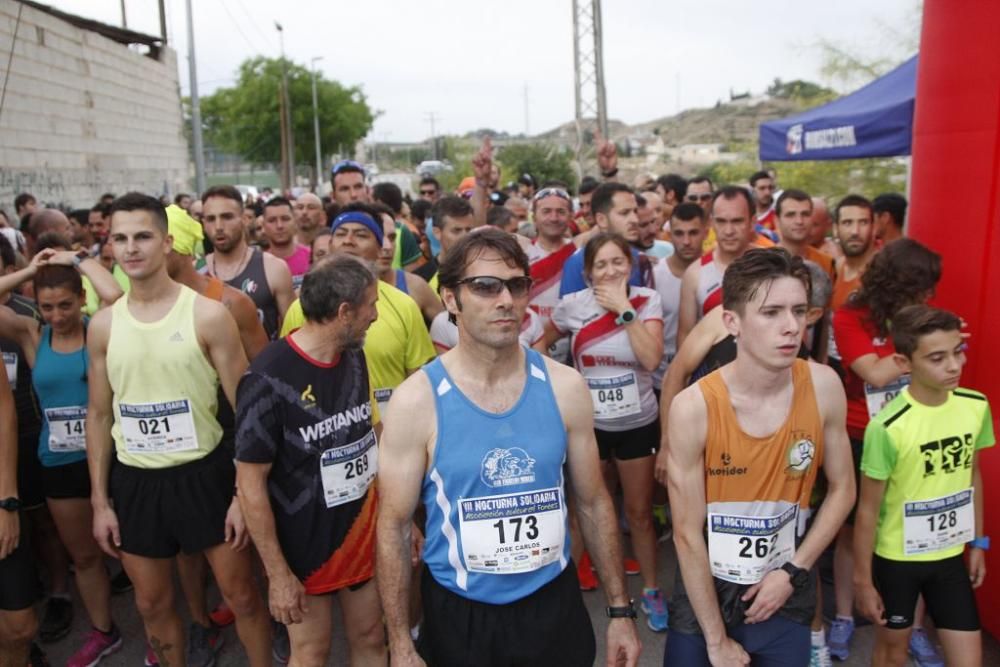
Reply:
x=873, y=121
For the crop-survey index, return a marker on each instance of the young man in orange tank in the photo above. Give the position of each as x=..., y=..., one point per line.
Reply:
x=745, y=447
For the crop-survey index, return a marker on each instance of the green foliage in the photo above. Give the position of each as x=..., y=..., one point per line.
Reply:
x=244, y=119
x=806, y=93
x=543, y=161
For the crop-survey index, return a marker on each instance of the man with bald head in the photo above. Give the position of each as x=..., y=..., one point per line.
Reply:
x=46, y=220
x=819, y=233
x=310, y=217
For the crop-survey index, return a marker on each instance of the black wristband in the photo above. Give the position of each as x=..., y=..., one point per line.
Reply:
x=622, y=612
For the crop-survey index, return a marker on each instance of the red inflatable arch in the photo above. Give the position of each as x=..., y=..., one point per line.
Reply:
x=955, y=193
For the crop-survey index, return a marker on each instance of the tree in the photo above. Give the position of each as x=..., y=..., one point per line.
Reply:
x=544, y=162
x=244, y=119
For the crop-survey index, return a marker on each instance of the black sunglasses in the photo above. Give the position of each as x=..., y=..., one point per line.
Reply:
x=428, y=192
x=491, y=286
x=705, y=196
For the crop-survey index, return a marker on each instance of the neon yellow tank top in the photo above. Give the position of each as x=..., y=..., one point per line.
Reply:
x=165, y=389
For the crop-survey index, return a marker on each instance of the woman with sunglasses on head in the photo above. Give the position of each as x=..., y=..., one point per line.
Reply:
x=617, y=342
x=57, y=353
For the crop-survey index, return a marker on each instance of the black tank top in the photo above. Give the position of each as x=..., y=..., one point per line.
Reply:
x=721, y=354
x=252, y=281
x=29, y=415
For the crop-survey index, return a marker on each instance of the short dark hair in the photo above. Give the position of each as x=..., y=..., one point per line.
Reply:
x=892, y=203
x=223, y=192
x=419, y=209
x=603, y=199
x=688, y=211
x=338, y=279
x=381, y=209
x=597, y=242
x=80, y=215
x=469, y=247
x=757, y=267
x=361, y=207
x=701, y=179
x=8, y=256
x=674, y=183
x=730, y=192
x=498, y=216
x=23, y=199
x=277, y=201
x=390, y=195
x=137, y=201
x=179, y=196
x=759, y=176
x=794, y=195
x=852, y=200
x=103, y=209
x=587, y=185
x=640, y=201
x=913, y=322
x=58, y=275
x=430, y=180
x=52, y=240
x=347, y=167
x=449, y=206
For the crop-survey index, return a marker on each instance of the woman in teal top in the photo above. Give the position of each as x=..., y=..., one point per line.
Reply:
x=57, y=353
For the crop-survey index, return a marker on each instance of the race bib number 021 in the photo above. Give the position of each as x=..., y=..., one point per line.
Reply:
x=615, y=397
x=876, y=398
x=742, y=549
x=67, y=428
x=512, y=533
x=938, y=523
x=348, y=471
x=158, y=428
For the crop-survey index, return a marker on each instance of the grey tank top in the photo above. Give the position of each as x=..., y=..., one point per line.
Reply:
x=252, y=281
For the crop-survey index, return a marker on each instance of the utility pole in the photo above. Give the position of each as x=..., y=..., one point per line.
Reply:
x=588, y=71
x=431, y=116
x=199, y=149
x=163, y=21
x=319, y=160
x=289, y=126
x=124, y=20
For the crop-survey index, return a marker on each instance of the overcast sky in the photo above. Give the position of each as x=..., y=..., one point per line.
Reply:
x=469, y=62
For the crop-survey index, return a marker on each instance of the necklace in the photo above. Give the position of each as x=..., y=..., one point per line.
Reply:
x=247, y=254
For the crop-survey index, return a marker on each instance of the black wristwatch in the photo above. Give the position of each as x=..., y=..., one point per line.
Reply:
x=622, y=612
x=798, y=576
x=10, y=504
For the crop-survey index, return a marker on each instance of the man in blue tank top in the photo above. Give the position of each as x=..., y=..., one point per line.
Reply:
x=481, y=438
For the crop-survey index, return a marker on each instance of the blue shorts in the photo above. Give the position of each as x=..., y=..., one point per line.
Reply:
x=777, y=642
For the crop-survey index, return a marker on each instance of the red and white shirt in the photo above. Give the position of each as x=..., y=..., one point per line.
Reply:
x=669, y=288
x=622, y=390
x=444, y=334
x=709, y=291
x=546, y=274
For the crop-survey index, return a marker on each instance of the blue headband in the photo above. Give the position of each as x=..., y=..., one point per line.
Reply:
x=361, y=219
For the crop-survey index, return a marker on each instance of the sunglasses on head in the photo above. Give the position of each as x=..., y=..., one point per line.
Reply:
x=347, y=164
x=490, y=286
x=552, y=192
x=705, y=196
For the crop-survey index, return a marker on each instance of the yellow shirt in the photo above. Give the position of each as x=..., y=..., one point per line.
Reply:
x=397, y=342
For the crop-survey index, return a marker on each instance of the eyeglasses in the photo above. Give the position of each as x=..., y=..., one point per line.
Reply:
x=491, y=286
x=705, y=196
x=552, y=192
x=428, y=192
x=347, y=165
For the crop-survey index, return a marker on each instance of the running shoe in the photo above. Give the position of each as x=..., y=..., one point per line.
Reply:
x=819, y=656
x=585, y=573
x=655, y=609
x=631, y=566
x=281, y=645
x=924, y=653
x=57, y=621
x=202, y=645
x=96, y=646
x=222, y=616
x=839, y=638
x=150, y=660
x=120, y=583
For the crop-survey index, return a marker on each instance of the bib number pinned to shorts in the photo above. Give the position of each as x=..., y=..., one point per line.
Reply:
x=938, y=523
x=67, y=428
x=348, y=471
x=512, y=533
x=158, y=428
x=615, y=397
x=877, y=398
x=742, y=549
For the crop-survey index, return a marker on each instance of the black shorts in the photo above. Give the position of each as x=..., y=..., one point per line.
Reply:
x=944, y=584
x=632, y=444
x=857, y=448
x=19, y=587
x=549, y=627
x=29, y=473
x=166, y=510
x=67, y=481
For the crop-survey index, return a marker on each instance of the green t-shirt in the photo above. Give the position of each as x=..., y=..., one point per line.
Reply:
x=923, y=453
x=407, y=248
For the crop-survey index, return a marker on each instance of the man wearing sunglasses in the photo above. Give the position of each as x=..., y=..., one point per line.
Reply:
x=430, y=189
x=497, y=546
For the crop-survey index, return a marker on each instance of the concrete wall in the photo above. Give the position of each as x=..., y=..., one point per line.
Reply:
x=84, y=115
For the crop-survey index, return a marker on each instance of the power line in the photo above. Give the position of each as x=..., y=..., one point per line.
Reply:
x=253, y=23
x=253, y=49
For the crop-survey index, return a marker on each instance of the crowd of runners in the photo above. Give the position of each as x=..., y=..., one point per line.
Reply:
x=458, y=411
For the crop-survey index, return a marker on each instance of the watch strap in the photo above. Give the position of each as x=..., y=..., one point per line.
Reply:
x=627, y=611
x=980, y=543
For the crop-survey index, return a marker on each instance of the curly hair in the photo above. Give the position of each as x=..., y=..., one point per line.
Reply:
x=902, y=274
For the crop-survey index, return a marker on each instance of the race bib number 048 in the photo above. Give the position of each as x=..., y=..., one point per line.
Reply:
x=348, y=471
x=938, y=523
x=742, y=549
x=158, y=428
x=512, y=533
x=615, y=397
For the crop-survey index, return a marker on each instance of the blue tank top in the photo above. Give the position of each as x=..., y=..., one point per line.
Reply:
x=494, y=493
x=401, y=281
x=60, y=381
